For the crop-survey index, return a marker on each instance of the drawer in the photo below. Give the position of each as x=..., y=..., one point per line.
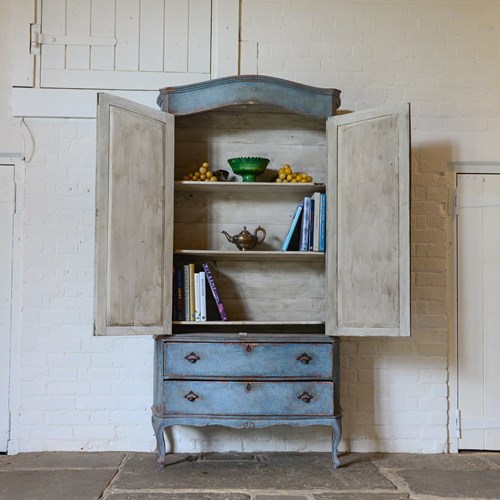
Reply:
x=248, y=360
x=249, y=398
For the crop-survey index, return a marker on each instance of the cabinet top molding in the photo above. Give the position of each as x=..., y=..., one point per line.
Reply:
x=250, y=89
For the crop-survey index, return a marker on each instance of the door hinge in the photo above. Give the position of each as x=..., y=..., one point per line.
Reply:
x=458, y=424
x=38, y=39
x=35, y=31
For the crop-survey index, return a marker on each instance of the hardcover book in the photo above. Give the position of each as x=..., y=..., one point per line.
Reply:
x=203, y=297
x=291, y=241
x=322, y=223
x=187, y=308
x=213, y=288
x=192, y=293
x=306, y=221
x=316, y=199
x=179, y=287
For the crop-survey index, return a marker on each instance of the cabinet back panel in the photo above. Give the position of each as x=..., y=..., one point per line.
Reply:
x=281, y=137
x=269, y=291
x=200, y=218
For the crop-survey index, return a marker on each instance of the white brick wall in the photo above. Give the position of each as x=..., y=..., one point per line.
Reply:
x=79, y=392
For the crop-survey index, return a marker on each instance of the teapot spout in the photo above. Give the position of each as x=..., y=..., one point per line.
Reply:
x=228, y=236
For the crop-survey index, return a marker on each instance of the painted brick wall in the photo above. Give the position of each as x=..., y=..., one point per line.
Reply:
x=79, y=392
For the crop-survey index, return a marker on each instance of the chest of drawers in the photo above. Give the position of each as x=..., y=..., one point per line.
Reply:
x=245, y=382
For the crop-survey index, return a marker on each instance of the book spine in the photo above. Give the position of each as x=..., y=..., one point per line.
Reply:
x=213, y=288
x=192, y=303
x=203, y=297
x=304, y=234
x=322, y=223
x=186, y=292
x=179, y=288
x=293, y=225
x=317, y=216
x=175, y=315
x=197, y=305
x=311, y=226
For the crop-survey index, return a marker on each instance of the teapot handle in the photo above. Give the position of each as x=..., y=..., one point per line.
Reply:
x=263, y=235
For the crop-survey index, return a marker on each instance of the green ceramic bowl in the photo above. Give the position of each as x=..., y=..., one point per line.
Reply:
x=248, y=167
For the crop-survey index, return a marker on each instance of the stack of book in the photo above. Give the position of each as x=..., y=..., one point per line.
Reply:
x=190, y=296
x=308, y=227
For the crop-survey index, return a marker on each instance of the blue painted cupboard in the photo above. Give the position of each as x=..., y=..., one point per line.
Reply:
x=275, y=358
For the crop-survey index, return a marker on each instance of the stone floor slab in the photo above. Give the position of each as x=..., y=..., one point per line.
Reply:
x=176, y=496
x=491, y=457
x=276, y=471
x=54, y=485
x=62, y=460
x=453, y=484
x=361, y=496
x=442, y=461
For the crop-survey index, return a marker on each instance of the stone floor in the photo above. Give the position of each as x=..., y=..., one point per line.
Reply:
x=258, y=476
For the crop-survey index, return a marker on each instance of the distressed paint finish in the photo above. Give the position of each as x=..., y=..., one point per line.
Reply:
x=248, y=398
x=235, y=399
x=254, y=89
x=133, y=229
x=248, y=360
x=368, y=270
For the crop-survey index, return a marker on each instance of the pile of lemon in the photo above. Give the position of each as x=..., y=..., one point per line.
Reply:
x=285, y=174
x=202, y=174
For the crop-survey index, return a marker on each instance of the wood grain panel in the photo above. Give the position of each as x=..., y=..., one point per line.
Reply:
x=133, y=272
x=176, y=35
x=103, y=24
x=137, y=221
x=78, y=24
x=368, y=275
x=200, y=26
x=368, y=231
x=127, y=34
x=151, y=35
x=53, y=23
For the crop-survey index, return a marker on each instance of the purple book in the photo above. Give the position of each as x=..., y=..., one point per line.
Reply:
x=210, y=279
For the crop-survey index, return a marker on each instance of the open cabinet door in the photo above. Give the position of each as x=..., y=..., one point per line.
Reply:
x=134, y=219
x=368, y=254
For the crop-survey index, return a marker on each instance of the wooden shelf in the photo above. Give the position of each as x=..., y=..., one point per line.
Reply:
x=248, y=323
x=253, y=256
x=257, y=187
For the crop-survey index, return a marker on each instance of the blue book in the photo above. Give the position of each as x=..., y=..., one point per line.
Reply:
x=293, y=232
x=322, y=223
x=306, y=221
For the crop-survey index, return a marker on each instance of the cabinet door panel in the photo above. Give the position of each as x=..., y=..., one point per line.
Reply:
x=368, y=273
x=134, y=218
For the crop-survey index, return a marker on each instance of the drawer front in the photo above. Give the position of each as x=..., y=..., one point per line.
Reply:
x=246, y=360
x=249, y=398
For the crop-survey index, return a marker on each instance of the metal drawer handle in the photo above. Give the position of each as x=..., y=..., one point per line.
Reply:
x=249, y=387
x=306, y=397
x=191, y=396
x=192, y=357
x=304, y=358
x=249, y=348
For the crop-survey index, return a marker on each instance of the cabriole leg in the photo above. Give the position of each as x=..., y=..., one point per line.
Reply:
x=337, y=434
x=159, y=427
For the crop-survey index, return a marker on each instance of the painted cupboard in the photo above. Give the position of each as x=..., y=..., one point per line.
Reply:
x=275, y=360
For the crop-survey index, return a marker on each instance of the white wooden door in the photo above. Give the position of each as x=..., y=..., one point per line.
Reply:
x=478, y=244
x=124, y=44
x=368, y=253
x=134, y=219
x=7, y=191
